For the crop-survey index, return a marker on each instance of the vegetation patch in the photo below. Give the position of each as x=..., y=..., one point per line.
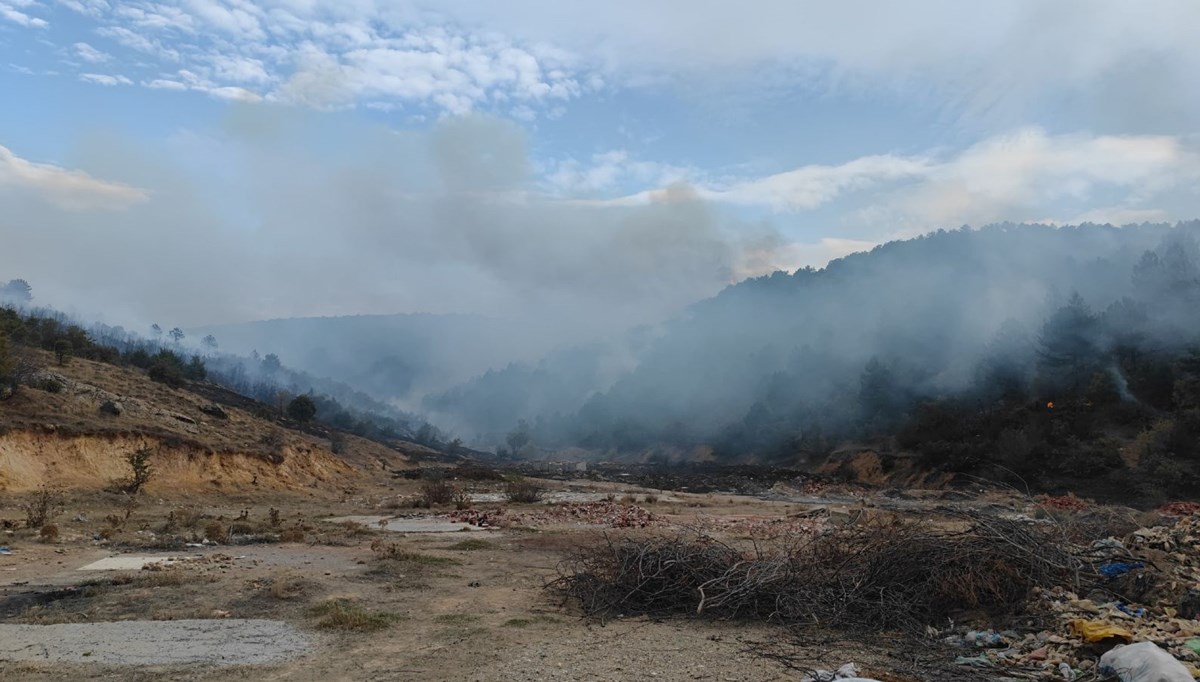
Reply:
x=345, y=615
x=391, y=552
x=456, y=618
x=528, y=622
x=472, y=545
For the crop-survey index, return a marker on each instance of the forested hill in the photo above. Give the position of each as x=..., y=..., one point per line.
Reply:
x=909, y=341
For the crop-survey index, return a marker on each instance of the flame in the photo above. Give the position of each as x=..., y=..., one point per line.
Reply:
x=1050, y=404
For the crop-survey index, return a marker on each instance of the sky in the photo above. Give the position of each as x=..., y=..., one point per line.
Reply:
x=595, y=165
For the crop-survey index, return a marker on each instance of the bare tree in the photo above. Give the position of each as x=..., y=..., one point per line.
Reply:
x=176, y=335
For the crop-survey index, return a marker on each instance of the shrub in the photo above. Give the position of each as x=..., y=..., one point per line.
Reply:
x=139, y=470
x=62, y=351
x=167, y=373
x=462, y=500
x=292, y=535
x=526, y=492
x=48, y=385
x=302, y=409
x=435, y=493
x=49, y=533
x=215, y=531
x=46, y=504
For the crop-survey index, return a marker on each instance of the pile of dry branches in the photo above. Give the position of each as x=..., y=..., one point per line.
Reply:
x=879, y=575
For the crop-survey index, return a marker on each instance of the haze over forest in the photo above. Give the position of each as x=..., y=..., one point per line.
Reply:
x=673, y=231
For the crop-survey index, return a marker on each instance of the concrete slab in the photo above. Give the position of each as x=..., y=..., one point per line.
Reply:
x=144, y=642
x=431, y=524
x=127, y=562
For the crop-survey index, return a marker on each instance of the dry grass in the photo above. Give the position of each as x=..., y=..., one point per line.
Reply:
x=287, y=586
x=456, y=618
x=345, y=615
x=528, y=622
x=392, y=552
x=472, y=545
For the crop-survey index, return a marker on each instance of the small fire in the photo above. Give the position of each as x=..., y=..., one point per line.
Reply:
x=1050, y=404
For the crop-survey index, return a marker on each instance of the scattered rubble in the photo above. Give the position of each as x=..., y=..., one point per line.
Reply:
x=605, y=513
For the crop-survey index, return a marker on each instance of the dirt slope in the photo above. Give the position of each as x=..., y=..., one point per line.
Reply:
x=67, y=439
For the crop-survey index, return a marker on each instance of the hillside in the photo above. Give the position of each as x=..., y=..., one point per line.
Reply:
x=388, y=356
x=77, y=423
x=1057, y=353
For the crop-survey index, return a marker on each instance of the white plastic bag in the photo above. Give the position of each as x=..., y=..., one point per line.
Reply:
x=1143, y=662
x=846, y=673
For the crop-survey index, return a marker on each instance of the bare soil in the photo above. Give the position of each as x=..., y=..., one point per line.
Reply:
x=457, y=606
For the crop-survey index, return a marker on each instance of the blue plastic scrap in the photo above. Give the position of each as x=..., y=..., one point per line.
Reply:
x=1126, y=608
x=1117, y=568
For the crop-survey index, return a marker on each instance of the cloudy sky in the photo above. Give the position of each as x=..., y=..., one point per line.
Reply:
x=203, y=161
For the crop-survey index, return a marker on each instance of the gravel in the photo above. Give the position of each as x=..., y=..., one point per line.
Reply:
x=177, y=642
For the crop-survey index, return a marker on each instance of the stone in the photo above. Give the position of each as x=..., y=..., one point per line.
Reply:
x=111, y=407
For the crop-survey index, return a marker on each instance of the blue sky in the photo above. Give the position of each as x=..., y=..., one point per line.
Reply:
x=624, y=158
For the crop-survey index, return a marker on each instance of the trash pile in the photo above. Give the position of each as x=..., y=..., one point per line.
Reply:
x=1141, y=615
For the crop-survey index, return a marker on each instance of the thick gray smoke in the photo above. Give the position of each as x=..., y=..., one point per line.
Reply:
x=787, y=353
x=286, y=214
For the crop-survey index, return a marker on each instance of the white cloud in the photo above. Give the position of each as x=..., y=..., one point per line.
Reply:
x=90, y=54
x=165, y=84
x=811, y=186
x=988, y=52
x=10, y=12
x=1014, y=176
x=1027, y=174
x=612, y=170
x=91, y=8
x=239, y=22
x=136, y=41
x=68, y=189
x=328, y=55
x=104, y=79
x=153, y=17
x=238, y=69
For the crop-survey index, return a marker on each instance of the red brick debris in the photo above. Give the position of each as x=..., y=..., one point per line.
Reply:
x=609, y=514
x=1180, y=509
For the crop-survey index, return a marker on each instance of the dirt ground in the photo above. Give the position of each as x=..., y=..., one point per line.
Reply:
x=375, y=604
